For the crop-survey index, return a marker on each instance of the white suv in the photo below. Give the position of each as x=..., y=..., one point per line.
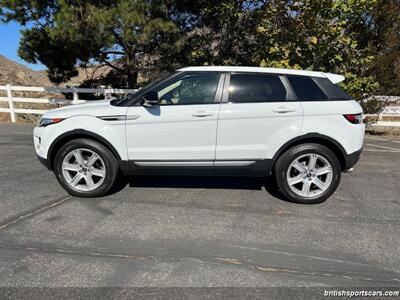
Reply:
x=247, y=121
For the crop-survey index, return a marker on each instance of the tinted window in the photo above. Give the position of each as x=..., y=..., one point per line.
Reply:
x=256, y=88
x=305, y=88
x=189, y=89
x=332, y=90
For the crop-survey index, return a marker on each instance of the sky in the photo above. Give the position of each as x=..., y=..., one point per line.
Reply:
x=9, y=41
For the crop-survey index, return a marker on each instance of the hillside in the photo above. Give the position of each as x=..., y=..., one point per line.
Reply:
x=14, y=73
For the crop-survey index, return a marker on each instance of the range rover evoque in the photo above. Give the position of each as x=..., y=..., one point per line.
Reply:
x=298, y=126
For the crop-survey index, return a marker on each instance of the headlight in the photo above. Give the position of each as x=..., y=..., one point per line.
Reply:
x=48, y=121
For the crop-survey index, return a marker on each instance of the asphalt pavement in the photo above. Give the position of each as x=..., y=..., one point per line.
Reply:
x=197, y=231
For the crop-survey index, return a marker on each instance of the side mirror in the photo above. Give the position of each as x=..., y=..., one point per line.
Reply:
x=150, y=99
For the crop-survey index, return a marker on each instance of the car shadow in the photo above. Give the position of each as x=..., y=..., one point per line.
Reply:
x=203, y=182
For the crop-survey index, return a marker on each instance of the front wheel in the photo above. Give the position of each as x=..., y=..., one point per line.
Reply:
x=85, y=168
x=308, y=173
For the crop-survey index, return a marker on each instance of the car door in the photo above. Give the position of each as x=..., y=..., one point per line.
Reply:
x=181, y=130
x=258, y=115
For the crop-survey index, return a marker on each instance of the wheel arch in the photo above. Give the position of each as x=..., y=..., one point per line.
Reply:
x=316, y=138
x=76, y=134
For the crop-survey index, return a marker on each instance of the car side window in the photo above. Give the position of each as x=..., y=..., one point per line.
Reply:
x=189, y=89
x=333, y=91
x=305, y=88
x=256, y=88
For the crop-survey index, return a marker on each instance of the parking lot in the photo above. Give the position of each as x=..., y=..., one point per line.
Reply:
x=196, y=231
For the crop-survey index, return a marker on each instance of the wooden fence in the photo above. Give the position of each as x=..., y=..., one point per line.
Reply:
x=11, y=99
x=391, y=110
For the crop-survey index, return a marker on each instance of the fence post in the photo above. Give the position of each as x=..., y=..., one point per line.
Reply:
x=10, y=103
x=75, y=96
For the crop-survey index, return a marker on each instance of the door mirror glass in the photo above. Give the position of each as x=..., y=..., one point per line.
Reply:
x=150, y=99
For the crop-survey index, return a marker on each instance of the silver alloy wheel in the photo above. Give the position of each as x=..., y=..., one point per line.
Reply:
x=309, y=175
x=83, y=169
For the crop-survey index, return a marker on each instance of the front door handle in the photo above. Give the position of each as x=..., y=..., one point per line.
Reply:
x=132, y=117
x=202, y=113
x=284, y=109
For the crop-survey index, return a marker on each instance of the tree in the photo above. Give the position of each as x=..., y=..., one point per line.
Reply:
x=318, y=35
x=220, y=32
x=385, y=44
x=128, y=36
x=359, y=39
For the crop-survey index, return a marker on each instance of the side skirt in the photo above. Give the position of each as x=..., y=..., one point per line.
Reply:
x=250, y=168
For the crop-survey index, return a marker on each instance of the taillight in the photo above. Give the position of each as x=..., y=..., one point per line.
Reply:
x=354, y=118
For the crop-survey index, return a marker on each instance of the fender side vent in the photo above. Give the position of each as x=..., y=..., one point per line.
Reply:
x=112, y=118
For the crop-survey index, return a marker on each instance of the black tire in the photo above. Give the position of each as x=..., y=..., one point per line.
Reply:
x=110, y=162
x=285, y=160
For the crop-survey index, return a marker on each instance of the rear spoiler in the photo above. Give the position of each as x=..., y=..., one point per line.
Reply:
x=334, y=78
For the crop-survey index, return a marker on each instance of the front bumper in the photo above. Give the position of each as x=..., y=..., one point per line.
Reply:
x=45, y=162
x=351, y=159
x=38, y=141
x=41, y=150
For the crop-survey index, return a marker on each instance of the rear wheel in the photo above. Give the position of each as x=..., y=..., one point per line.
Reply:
x=308, y=173
x=85, y=168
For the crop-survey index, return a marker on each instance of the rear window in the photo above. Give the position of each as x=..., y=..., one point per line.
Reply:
x=306, y=89
x=256, y=88
x=333, y=91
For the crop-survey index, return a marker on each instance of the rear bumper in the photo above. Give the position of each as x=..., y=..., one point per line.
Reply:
x=351, y=159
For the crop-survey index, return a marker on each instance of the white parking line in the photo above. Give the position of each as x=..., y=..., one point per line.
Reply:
x=384, y=147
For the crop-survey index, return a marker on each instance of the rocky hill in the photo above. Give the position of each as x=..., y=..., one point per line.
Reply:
x=14, y=73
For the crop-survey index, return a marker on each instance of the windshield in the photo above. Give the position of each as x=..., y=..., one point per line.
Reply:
x=157, y=80
x=121, y=100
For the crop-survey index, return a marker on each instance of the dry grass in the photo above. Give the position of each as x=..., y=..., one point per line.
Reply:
x=29, y=118
x=373, y=129
x=4, y=117
x=25, y=118
x=380, y=130
x=391, y=118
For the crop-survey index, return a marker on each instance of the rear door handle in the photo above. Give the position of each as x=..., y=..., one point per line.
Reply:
x=202, y=113
x=284, y=109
